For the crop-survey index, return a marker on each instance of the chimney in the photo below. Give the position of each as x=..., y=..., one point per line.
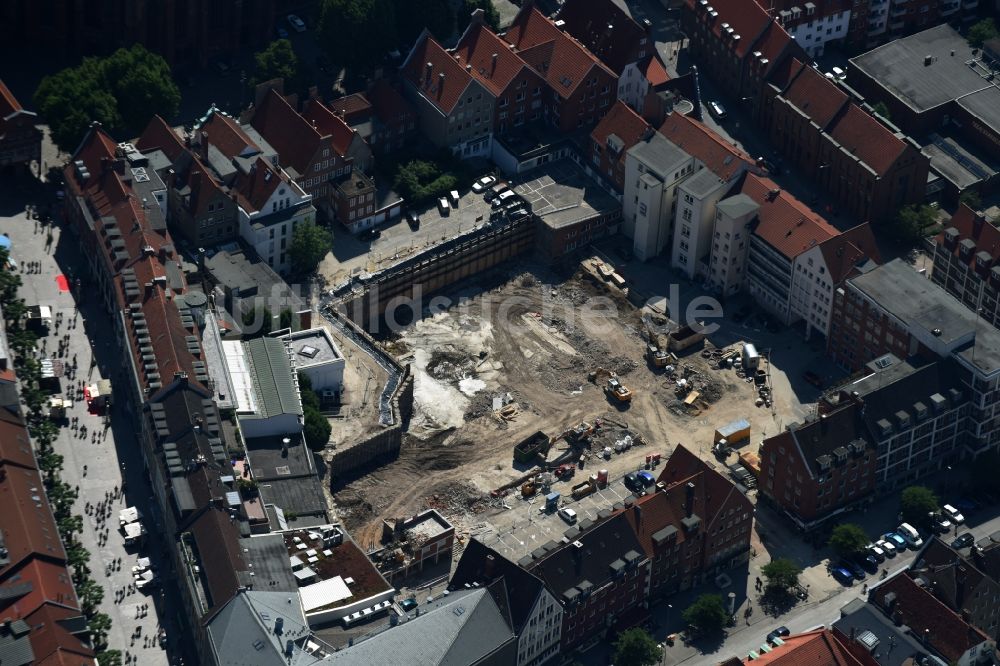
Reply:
x=689, y=498
x=496, y=56
x=279, y=623
x=489, y=567
x=638, y=514
x=428, y=71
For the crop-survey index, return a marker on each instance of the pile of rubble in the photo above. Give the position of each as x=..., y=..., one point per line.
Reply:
x=483, y=403
x=458, y=499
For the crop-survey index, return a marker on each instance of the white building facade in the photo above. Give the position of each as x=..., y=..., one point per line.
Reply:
x=539, y=641
x=269, y=229
x=653, y=170
x=813, y=30
x=730, y=244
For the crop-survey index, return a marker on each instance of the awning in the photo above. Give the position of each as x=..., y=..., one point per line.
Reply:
x=753, y=655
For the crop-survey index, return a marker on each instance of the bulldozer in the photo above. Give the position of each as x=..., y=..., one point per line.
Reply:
x=617, y=390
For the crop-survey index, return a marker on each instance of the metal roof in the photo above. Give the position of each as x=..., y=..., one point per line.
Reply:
x=273, y=379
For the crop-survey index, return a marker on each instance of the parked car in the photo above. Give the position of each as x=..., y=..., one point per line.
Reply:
x=842, y=575
x=839, y=73
x=297, y=23
x=408, y=604
x=569, y=515
x=646, y=479
x=875, y=551
x=897, y=541
x=369, y=234
x=963, y=541
x=910, y=535
x=867, y=562
x=413, y=219
x=632, y=482
x=954, y=514
x=888, y=548
x=780, y=632
x=939, y=523
x=853, y=567
x=443, y=206
x=281, y=32
x=717, y=110
x=813, y=378
x=483, y=183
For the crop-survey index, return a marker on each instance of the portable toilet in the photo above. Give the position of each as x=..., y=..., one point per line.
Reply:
x=552, y=501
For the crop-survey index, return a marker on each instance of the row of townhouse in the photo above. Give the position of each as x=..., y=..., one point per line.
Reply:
x=924, y=396
x=491, y=84
x=604, y=574
x=869, y=169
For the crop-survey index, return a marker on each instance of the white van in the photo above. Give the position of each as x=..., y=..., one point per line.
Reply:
x=443, y=206
x=910, y=535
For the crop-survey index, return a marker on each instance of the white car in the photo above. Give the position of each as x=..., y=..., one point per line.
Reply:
x=877, y=551
x=297, y=23
x=481, y=184
x=953, y=513
x=569, y=515
x=839, y=73
x=887, y=547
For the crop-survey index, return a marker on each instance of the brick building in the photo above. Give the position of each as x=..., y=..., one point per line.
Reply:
x=860, y=162
x=813, y=24
x=581, y=88
x=187, y=34
x=965, y=262
x=967, y=584
x=611, y=139
x=20, y=140
x=381, y=116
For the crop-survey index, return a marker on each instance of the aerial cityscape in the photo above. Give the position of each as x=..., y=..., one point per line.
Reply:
x=500, y=332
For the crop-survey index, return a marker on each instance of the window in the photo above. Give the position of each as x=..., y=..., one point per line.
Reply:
x=316, y=167
x=642, y=209
x=326, y=152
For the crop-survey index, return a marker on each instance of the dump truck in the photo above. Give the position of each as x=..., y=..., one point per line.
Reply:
x=580, y=433
x=617, y=390
x=657, y=357
x=581, y=490
x=686, y=336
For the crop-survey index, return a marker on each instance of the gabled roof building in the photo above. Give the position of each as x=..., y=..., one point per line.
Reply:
x=20, y=140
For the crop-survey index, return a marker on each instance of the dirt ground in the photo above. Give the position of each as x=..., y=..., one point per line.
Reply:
x=529, y=342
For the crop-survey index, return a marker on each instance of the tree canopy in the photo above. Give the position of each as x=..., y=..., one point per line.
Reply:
x=782, y=574
x=980, y=32
x=358, y=32
x=465, y=10
x=707, y=613
x=257, y=323
x=122, y=91
x=848, y=539
x=916, y=503
x=316, y=429
x=277, y=61
x=913, y=222
x=635, y=647
x=310, y=243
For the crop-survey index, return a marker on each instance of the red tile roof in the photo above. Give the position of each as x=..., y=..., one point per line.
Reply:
x=816, y=96
x=654, y=70
x=624, y=123
x=821, y=647
x=390, y=107
x=28, y=526
x=227, y=136
x=655, y=513
x=253, y=189
x=217, y=540
x=476, y=49
x=867, y=139
x=15, y=448
x=297, y=141
x=696, y=139
x=787, y=224
x=844, y=252
x=353, y=108
x=606, y=30
x=928, y=619
x=42, y=581
x=982, y=232
x=445, y=93
x=159, y=135
x=745, y=17
x=557, y=57
x=712, y=490
x=773, y=44
x=330, y=124
x=51, y=643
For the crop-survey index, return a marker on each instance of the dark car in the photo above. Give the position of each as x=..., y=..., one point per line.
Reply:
x=632, y=482
x=408, y=604
x=842, y=575
x=370, y=234
x=964, y=541
x=854, y=568
x=413, y=219
x=867, y=562
x=780, y=632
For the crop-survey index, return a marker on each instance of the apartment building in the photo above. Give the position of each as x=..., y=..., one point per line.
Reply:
x=611, y=140
x=965, y=262
x=581, y=87
x=966, y=584
x=867, y=168
x=381, y=116
x=20, y=140
x=270, y=204
x=454, y=109
x=536, y=615
x=813, y=24
x=622, y=43
x=518, y=90
x=891, y=310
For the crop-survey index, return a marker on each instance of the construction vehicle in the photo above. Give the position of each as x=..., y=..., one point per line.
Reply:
x=658, y=358
x=580, y=433
x=564, y=472
x=532, y=448
x=617, y=390
x=581, y=490
x=528, y=489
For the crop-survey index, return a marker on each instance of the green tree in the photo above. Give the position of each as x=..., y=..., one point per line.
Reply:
x=91, y=594
x=782, y=574
x=635, y=647
x=77, y=557
x=412, y=17
x=916, y=503
x=69, y=527
x=980, y=32
x=109, y=658
x=316, y=429
x=257, y=323
x=286, y=318
x=310, y=244
x=420, y=181
x=309, y=397
x=881, y=109
x=848, y=539
x=121, y=91
x=492, y=18
x=971, y=199
x=357, y=32
x=100, y=625
x=707, y=613
x=277, y=61
x=912, y=222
